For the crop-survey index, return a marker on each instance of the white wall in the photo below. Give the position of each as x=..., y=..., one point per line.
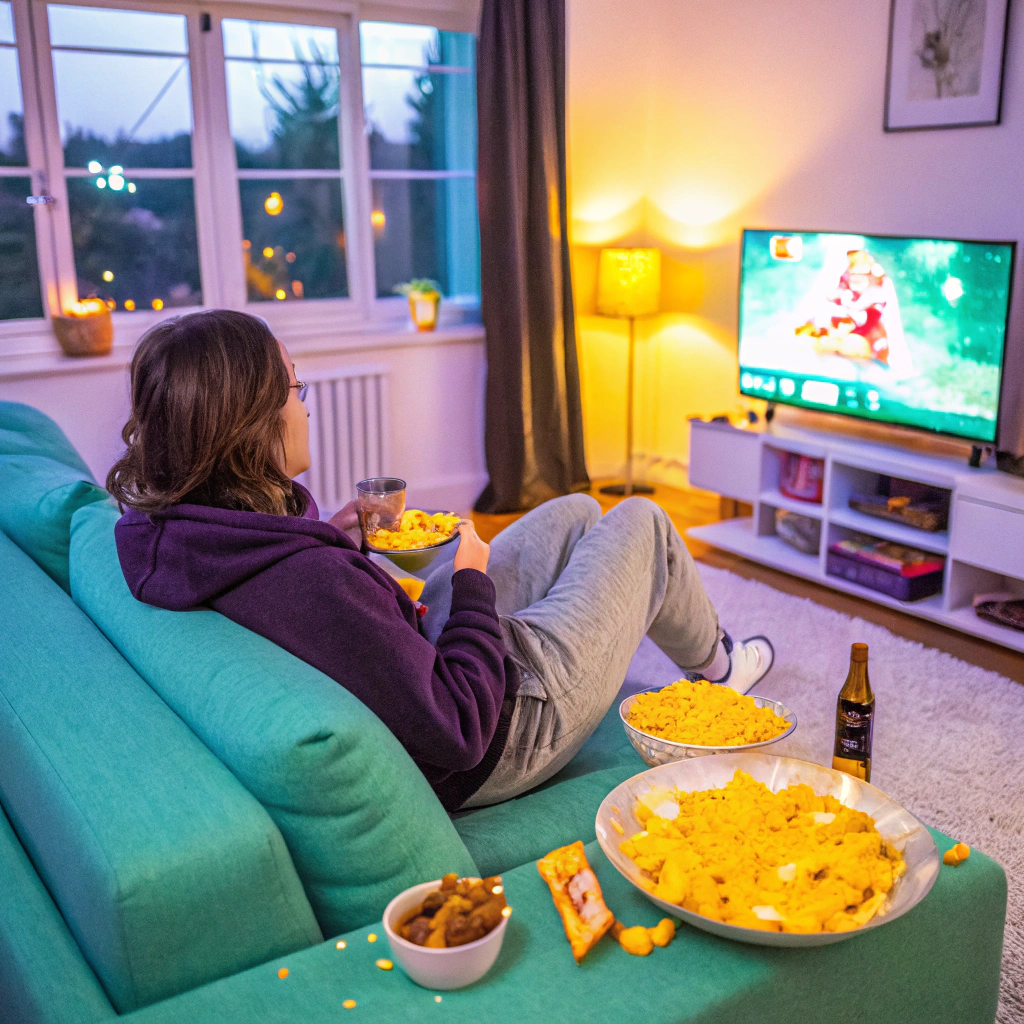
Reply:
x=690, y=120
x=436, y=385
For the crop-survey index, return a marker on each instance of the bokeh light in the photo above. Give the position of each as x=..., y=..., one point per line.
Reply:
x=158, y=304
x=108, y=275
x=280, y=294
x=273, y=204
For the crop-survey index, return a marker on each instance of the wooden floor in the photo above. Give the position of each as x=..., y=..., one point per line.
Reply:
x=696, y=508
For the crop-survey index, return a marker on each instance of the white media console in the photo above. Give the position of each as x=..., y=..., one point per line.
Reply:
x=984, y=545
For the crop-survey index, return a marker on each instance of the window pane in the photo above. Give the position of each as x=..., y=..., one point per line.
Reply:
x=117, y=30
x=118, y=109
x=20, y=294
x=416, y=46
x=273, y=41
x=6, y=23
x=137, y=248
x=298, y=252
x=284, y=115
x=420, y=120
x=429, y=230
x=12, y=127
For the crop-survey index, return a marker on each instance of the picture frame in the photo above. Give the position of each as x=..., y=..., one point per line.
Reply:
x=945, y=64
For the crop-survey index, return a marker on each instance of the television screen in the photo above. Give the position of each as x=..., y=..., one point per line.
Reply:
x=901, y=330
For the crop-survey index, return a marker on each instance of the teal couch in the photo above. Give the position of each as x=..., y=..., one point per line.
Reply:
x=187, y=808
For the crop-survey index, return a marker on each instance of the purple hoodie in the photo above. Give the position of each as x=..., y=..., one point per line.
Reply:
x=304, y=585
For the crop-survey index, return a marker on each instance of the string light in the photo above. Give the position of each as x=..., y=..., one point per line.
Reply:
x=273, y=204
x=268, y=252
x=158, y=304
x=377, y=218
x=280, y=294
x=131, y=186
x=129, y=304
x=108, y=275
x=101, y=182
x=94, y=166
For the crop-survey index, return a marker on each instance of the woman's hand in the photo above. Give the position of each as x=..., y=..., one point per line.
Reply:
x=473, y=552
x=347, y=520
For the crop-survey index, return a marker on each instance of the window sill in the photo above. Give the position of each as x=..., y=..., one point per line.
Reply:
x=300, y=342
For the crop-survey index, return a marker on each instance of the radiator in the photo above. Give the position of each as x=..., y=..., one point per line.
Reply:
x=348, y=432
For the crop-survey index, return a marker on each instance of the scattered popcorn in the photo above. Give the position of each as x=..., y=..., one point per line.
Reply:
x=340, y=944
x=437, y=999
x=637, y=940
x=283, y=972
x=957, y=855
x=704, y=714
x=349, y=1004
x=385, y=965
x=663, y=932
x=372, y=937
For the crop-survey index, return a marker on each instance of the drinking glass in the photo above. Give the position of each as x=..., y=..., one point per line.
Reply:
x=381, y=502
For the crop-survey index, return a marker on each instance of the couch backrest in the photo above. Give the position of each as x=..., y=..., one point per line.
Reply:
x=168, y=873
x=27, y=431
x=359, y=818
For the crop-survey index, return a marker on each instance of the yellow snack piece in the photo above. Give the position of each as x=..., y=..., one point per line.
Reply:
x=790, y=861
x=705, y=714
x=416, y=530
x=384, y=965
x=636, y=941
x=349, y=1004
x=663, y=932
x=956, y=855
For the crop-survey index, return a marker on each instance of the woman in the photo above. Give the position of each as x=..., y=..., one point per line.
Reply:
x=522, y=649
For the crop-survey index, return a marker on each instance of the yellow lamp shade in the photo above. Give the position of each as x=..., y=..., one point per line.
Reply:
x=629, y=282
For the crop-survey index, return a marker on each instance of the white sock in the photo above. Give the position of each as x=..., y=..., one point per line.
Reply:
x=719, y=667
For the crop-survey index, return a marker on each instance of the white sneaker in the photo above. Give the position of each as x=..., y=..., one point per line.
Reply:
x=749, y=662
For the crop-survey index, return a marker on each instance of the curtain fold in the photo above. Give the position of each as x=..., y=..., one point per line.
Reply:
x=534, y=422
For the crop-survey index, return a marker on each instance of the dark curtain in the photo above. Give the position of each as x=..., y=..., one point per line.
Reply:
x=534, y=424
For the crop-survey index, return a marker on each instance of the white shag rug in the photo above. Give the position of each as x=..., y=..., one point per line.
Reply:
x=948, y=740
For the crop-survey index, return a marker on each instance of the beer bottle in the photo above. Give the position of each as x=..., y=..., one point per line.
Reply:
x=855, y=712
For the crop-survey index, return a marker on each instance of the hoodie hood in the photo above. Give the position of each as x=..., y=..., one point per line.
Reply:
x=188, y=555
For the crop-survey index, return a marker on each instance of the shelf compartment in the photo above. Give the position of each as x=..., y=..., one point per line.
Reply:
x=886, y=529
x=739, y=537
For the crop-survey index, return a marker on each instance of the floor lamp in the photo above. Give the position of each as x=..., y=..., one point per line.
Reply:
x=629, y=285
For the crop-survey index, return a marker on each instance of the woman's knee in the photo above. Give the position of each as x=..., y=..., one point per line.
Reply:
x=582, y=507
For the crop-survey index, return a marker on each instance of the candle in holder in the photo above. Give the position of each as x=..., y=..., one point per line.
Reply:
x=85, y=329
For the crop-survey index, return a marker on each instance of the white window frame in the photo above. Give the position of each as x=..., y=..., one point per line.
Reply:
x=214, y=172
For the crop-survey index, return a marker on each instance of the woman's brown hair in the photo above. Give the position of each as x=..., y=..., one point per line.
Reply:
x=205, y=426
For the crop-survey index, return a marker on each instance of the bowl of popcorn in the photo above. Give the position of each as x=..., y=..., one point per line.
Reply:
x=415, y=540
x=767, y=850
x=447, y=934
x=691, y=719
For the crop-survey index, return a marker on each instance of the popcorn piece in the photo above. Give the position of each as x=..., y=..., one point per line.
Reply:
x=957, y=855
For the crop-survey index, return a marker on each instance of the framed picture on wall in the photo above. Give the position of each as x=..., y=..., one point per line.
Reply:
x=945, y=66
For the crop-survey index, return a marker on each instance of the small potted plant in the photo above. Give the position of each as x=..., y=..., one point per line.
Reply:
x=424, y=298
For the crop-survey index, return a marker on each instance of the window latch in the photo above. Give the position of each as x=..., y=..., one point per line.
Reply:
x=39, y=200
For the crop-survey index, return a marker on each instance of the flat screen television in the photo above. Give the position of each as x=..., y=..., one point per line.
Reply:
x=908, y=331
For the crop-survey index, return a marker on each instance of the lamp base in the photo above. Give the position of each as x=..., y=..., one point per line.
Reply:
x=620, y=489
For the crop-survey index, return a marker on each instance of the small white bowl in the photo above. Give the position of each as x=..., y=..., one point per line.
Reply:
x=443, y=969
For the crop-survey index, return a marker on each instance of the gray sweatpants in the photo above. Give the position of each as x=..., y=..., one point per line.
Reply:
x=577, y=591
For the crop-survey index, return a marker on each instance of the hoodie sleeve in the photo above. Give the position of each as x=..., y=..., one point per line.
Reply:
x=442, y=703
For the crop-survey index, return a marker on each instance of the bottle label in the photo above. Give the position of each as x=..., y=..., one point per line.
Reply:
x=853, y=730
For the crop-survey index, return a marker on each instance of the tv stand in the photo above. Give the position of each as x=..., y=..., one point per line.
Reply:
x=983, y=545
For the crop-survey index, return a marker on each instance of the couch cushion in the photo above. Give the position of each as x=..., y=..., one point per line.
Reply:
x=938, y=963
x=167, y=872
x=38, y=497
x=358, y=816
x=43, y=978
x=27, y=431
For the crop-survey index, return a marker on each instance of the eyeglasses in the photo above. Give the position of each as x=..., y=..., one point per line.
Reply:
x=303, y=388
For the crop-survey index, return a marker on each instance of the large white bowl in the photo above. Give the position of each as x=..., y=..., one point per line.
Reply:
x=656, y=751
x=443, y=969
x=896, y=825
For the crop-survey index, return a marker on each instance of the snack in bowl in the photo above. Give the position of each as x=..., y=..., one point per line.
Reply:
x=462, y=910
x=416, y=530
x=704, y=714
x=790, y=861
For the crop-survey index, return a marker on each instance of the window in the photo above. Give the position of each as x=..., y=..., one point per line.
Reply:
x=419, y=97
x=20, y=295
x=125, y=114
x=284, y=108
x=299, y=163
